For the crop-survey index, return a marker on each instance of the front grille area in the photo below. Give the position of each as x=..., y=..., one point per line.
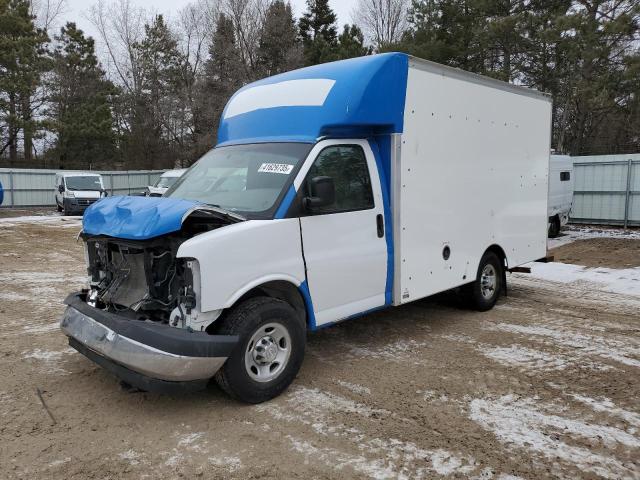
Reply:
x=86, y=201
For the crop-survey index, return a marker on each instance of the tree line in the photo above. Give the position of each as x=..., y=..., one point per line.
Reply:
x=155, y=97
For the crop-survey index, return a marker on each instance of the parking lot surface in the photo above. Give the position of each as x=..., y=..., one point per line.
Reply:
x=546, y=385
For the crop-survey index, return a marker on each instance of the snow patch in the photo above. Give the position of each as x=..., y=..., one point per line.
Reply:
x=605, y=405
x=50, y=327
x=395, y=351
x=531, y=360
x=526, y=358
x=50, y=358
x=401, y=460
x=581, y=344
x=520, y=422
x=316, y=402
x=13, y=297
x=229, y=462
x=374, y=457
x=57, y=463
x=355, y=388
x=130, y=456
x=189, y=439
x=624, y=281
x=572, y=233
x=75, y=221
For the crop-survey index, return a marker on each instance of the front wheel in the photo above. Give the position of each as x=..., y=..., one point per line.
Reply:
x=269, y=353
x=484, y=292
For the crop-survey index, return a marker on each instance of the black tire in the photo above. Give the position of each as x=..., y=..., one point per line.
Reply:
x=58, y=207
x=473, y=292
x=554, y=227
x=246, y=320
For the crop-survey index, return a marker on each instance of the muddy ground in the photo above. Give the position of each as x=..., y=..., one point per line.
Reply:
x=600, y=252
x=546, y=385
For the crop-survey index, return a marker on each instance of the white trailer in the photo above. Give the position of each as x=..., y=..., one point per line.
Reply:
x=560, y=192
x=333, y=191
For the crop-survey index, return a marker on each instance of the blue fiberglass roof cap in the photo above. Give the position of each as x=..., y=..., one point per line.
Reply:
x=355, y=97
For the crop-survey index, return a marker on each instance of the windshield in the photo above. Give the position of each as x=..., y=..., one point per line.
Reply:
x=166, y=182
x=90, y=182
x=242, y=178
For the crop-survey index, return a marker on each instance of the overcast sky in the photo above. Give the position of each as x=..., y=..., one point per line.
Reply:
x=76, y=10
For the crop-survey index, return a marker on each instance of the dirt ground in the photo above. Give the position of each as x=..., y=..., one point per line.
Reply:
x=600, y=252
x=546, y=385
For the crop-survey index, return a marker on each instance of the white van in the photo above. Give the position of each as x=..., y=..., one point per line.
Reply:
x=560, y=192
x=166, y=180
x=333, y=191
x=75, y=191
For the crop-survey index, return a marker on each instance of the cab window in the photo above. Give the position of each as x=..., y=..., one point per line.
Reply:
x=347, y=166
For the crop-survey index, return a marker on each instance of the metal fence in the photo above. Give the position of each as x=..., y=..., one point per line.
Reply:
x=32, y=187
x=607, y=190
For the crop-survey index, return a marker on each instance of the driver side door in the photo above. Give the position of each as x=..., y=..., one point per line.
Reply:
x=344, y=245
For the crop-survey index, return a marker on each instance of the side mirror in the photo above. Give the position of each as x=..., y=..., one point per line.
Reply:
x=104, y=192
x=61, y=188
x=323, y=193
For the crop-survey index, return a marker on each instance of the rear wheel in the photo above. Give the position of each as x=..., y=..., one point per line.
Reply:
x=483, y=294
x=554, y=227
x=269, y=353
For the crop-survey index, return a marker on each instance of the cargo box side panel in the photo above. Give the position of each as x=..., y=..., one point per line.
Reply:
x=473, y=173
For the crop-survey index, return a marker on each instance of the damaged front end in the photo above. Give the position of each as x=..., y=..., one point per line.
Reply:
x=144, y=279
x=140, y=317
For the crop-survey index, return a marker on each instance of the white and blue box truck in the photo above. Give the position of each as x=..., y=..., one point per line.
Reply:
x=333, y=191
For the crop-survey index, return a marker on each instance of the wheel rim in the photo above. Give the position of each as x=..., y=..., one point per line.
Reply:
x=267, y=352
x=488, y=281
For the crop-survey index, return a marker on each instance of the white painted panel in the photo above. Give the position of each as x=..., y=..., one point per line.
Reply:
x=473, y=172
x=346, y=260
x=560, y=192
x=291, y=93
x=238, y=257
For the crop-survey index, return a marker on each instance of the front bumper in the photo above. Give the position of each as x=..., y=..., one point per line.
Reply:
x=150, y=356
x=78, y=204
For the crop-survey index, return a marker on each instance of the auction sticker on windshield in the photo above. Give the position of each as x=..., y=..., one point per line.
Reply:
x=283, y=168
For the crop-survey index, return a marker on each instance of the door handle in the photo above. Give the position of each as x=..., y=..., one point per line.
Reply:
x=380, y=225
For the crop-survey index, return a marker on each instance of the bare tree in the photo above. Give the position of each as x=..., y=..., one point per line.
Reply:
x=120, y=27
x=382, y=21
x=48, y=12
x=248, y=19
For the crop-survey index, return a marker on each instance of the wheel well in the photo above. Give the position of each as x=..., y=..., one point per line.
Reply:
x=279, y=289
x=497, y=249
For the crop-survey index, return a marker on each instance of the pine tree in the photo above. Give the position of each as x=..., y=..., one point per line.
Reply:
x=600, y=51
x=318, y=32
x=80, y=97
x=223, y=75
x=351, y=43
x=279, y=49
x=160, y=63
x=23, y=60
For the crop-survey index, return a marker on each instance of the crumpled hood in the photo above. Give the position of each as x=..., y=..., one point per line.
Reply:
x=136, y=218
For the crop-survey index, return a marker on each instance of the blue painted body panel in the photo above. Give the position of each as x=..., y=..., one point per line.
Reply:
x=286, y=203
x=308, y=303
x=367, y=98
x=381, y=147
x=135, y=218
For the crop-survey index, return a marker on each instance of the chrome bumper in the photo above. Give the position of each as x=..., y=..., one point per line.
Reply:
x=157, y=352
